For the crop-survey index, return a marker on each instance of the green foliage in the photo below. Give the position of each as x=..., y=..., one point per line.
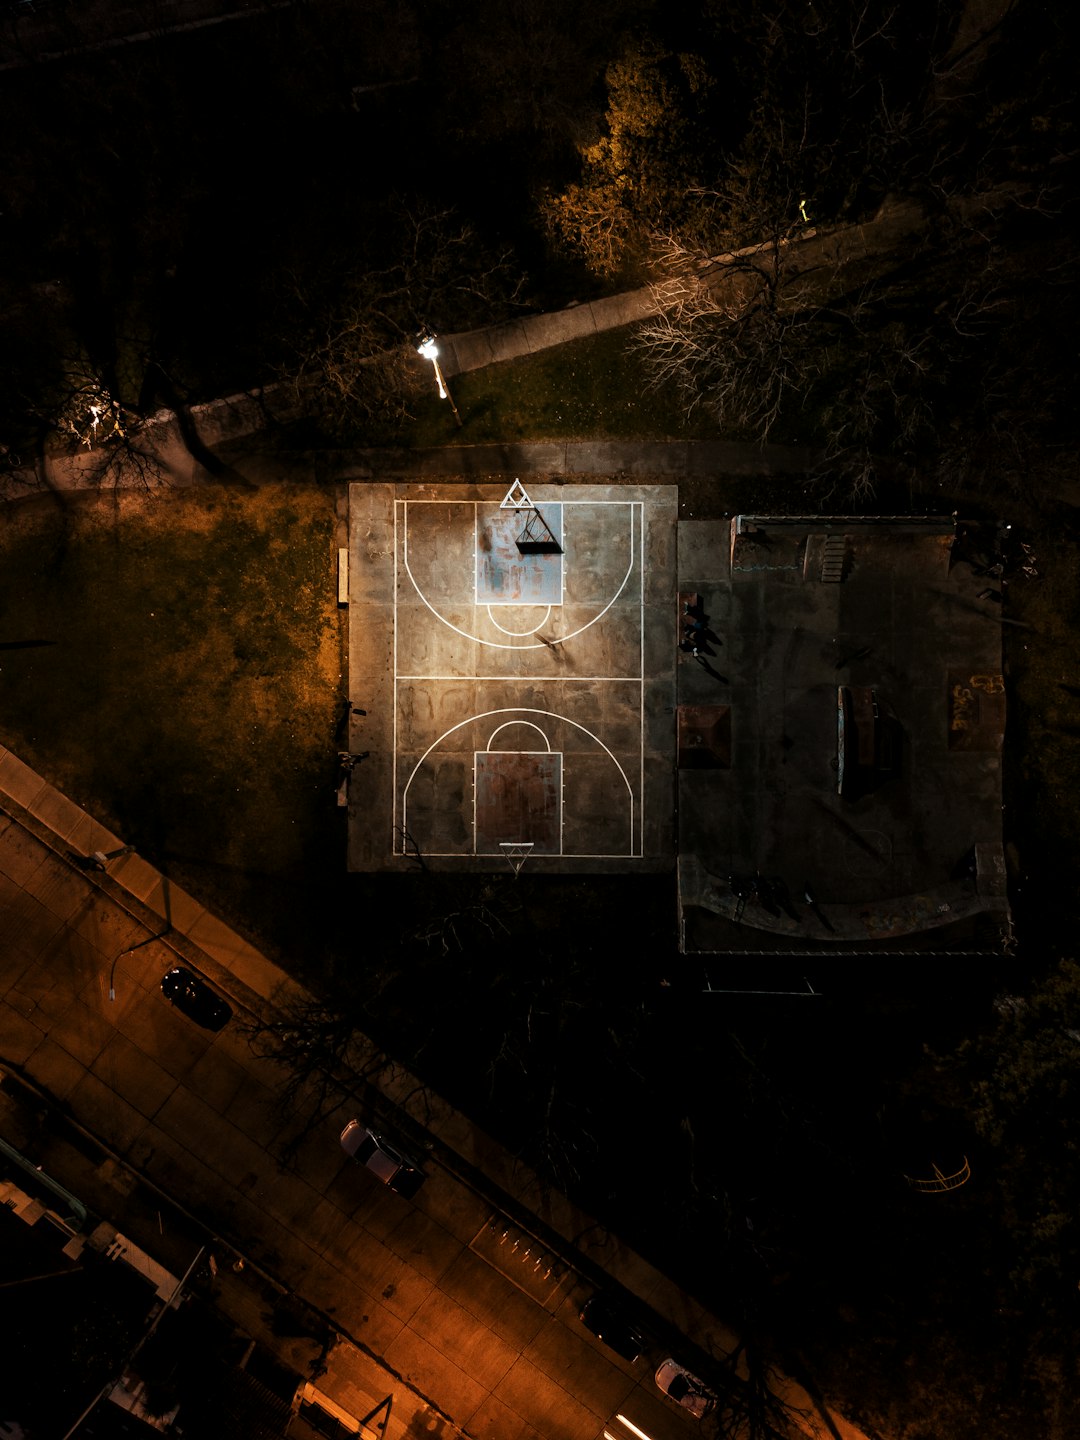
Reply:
x=641, y=174
x=758, y=110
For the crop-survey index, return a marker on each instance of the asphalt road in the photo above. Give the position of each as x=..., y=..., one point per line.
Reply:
x=423, y=1301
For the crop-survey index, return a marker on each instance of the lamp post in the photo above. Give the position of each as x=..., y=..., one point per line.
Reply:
x=130, y=951
x=430, y=351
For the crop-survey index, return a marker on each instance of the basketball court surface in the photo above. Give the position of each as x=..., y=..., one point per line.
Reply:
x=511, y=645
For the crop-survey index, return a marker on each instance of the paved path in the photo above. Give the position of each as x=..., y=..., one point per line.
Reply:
x=830, y=252
x=36, y=36
x=718, y=459
x=631, y=458
x=894, y=230
x=531, y=334
x=195, y=1114
x=897, y=230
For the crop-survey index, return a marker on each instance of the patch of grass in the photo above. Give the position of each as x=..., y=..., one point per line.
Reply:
x=188, y=687
x=595, y=388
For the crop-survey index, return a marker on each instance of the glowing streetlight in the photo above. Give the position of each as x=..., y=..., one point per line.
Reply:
x=430, y=351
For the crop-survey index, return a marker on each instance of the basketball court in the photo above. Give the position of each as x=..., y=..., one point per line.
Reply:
x=511, y=645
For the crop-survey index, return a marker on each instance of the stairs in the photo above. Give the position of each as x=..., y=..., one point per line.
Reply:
x=833, y=559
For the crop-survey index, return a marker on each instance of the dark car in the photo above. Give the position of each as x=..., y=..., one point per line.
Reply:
x=385, y=1161
x=194, y=997
x=608, y=1324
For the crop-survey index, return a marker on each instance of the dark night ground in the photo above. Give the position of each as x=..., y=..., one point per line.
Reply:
x=797, y=1115
x=785, y=1111
x=69, y=1326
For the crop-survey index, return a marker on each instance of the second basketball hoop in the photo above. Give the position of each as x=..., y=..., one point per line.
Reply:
x=516, y=852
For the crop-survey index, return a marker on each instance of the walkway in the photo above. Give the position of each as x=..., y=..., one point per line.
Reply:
x=576, y=458
x=194, y=1115
x=688, y=459
x=890, y=230
x=893, y=232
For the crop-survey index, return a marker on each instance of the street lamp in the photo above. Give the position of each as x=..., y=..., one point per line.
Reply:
x=130, y=951
x=430, y=351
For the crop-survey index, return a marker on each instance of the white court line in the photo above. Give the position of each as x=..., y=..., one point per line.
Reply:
x=507, y=604
x=394, y=806
x=562, y=566
x=542, y=621
x=633, y=852
x=547, y=500
x=506, y=726
x=487, y=854
x=637, y=531
x=641, y=665
x=562, y=770
x=631, y=505
x=533, y=679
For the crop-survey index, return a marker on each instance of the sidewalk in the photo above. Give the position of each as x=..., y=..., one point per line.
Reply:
x=234, y=417
x=556, y=458
x=416, y=1309
x=575, y=458
x=179, y=1105
x=893, y=228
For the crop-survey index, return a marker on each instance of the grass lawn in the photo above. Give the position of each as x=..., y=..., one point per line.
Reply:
x=189, y=678
x=590, y=389
x=185, y=687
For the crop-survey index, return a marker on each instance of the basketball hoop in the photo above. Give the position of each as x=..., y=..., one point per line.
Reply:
x=537, y=537
x=516, y=852
x=516, y=498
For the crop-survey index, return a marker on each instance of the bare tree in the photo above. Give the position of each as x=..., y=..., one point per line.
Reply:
x=356, y=363
x=467, y=918
x=79, y=414
x=323, y=1058
x=752, y=1403
x=727, y=336
x=849, y=351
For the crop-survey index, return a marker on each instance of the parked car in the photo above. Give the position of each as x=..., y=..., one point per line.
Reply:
x=385, y=1161
x=603, y=1319
x=685, y=1389
x=182, y=988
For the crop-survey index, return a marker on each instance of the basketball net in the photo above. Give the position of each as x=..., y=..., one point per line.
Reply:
x=516, y=852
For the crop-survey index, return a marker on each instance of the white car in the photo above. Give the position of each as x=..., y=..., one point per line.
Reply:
x=685, y=1389
x=384, y=1160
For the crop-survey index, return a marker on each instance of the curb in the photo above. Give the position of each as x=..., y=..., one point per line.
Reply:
x=507, y=1185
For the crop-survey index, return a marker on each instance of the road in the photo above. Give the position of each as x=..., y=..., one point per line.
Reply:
x=418, y=1292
